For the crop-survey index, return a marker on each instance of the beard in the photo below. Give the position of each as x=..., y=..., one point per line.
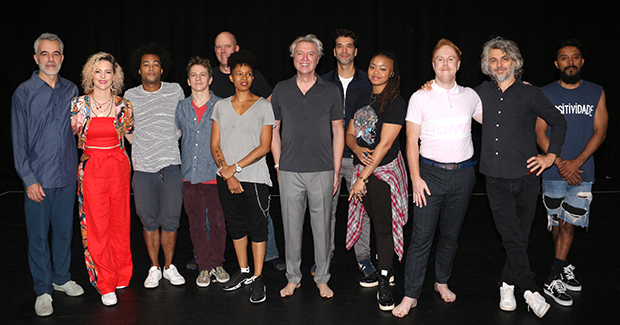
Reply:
x=502, y=78
x=51, y=72
x=343, y=61
x=570, y=79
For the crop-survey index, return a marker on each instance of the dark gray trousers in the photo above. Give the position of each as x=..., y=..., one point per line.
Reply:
x=446, y=206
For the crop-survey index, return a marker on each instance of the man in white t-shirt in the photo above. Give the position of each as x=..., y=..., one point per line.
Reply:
x=157, y=179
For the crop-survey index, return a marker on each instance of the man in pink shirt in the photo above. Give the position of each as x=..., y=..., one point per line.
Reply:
x=442, y=165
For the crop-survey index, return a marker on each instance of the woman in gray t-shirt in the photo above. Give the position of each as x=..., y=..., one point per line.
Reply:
x=240, y=139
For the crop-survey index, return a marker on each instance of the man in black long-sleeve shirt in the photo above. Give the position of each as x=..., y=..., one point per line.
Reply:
x=510, y=161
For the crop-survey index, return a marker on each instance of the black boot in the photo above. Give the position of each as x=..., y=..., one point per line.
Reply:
x=384, y=296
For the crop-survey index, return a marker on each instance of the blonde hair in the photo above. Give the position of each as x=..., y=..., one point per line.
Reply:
x=88, y=71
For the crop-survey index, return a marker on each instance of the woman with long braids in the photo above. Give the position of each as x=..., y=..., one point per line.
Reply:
x=101, y=118
x=381, y=185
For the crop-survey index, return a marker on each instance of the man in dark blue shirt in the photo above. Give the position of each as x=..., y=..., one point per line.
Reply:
x=45, y=158
x=352, y=83
x=567, y=186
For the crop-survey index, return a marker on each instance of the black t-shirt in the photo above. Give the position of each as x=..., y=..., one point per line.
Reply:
x=223, y=87
x=368, y=123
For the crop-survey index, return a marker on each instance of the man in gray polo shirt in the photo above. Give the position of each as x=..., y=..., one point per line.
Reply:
x=308, y=110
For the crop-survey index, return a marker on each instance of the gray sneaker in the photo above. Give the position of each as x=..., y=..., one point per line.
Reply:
x=70, y=288
x=220, y=274
x=43, y=305
x=204, y=279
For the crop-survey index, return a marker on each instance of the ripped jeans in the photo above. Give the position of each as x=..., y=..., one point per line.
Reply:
x=568, y=203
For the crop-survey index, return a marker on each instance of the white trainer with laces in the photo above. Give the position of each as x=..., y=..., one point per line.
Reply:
x=507, y=301
x=172, y=274
x=152, y=280
x=536, y=303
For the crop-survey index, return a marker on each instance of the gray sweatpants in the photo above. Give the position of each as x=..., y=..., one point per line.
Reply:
x=362, y=245
x=296, y=190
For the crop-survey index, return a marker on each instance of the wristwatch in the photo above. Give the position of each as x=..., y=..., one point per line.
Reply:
x=238, y=168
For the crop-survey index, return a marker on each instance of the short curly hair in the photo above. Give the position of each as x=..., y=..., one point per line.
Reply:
x=243, y=57
x=150, y=48
x=88, y=71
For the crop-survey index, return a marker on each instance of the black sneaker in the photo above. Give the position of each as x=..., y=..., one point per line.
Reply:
x=384, y=296
x=372, y=280
x=554, y=288
x=568, y=277
x=257, y=290
x=237, y=280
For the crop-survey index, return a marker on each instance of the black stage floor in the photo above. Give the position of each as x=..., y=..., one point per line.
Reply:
x=475, y=276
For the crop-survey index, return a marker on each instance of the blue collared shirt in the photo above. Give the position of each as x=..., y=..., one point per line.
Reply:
x=44, y=149
x=197, y=163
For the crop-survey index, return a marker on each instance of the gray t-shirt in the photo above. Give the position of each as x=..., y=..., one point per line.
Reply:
x=239, y=135
x=155, y=137
x=306, y=124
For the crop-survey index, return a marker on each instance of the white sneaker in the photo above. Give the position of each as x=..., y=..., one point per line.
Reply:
x=43, y=305
x=70, y=288
x=537, y=303
x=109, y=299
x=172, y=274
x=507, y=301
x=152, y=280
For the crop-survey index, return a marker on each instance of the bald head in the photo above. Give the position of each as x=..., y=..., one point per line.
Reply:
x=225, y=45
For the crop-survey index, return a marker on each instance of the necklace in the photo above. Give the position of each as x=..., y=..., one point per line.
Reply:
x=102, y=109
x=372, y=99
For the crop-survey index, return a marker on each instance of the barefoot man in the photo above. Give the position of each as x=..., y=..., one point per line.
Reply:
x=307, y=155
x=441, y=171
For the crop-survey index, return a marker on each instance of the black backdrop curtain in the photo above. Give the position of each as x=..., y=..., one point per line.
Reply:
x=410, y=29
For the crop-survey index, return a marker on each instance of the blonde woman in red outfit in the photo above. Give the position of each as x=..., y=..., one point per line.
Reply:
x=101, y=118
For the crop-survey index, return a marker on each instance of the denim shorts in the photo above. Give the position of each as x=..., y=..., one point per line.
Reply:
x=569, y=203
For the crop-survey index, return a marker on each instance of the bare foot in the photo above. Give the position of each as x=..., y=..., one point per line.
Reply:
x=325, y=291
x=404, y=307
x=446, y=294
x=289, y=289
